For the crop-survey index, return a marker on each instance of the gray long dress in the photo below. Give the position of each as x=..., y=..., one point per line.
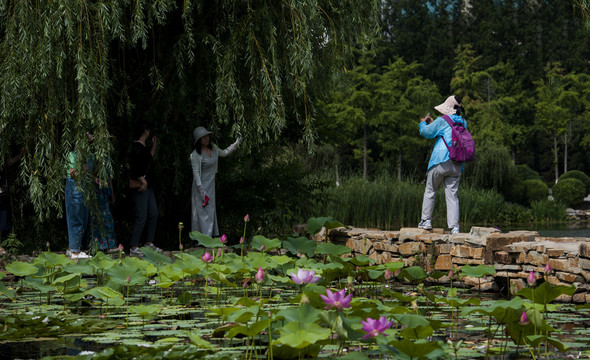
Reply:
x=204, y=219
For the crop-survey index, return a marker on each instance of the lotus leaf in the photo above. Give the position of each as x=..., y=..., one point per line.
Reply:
x=314, y=225
x=408, y=349
x=332, y=249
x=155, y=257
x=299, y=335
x=47, y=259
x=199, y=342
x=301, y=245
x=269, y=244
x=205, y=241
x=546, y=292
x=477, y=271
x=249, y=330
x=413, y=274
x=20, y=268
x=106, y=294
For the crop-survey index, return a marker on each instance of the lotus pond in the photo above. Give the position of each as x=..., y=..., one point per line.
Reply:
x=276, y=299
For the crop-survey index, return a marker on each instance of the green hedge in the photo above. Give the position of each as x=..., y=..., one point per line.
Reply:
x=535, y=190
x=570, y=192
x=577, y=174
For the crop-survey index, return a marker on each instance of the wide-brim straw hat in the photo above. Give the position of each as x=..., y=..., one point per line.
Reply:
x=449, y=107
x=199, y=132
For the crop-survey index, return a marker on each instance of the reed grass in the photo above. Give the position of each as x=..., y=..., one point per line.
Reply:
x=548, y=211
x=386, y=203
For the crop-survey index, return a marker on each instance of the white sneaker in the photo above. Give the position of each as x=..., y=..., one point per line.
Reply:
x=80, y=255
x=425, y=224
x=68, y=252
x=454, y=230
x=135, y=252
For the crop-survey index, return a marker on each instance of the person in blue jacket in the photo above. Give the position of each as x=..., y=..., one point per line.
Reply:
x=441, y=169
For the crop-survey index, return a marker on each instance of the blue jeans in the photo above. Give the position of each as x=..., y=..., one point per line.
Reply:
x=77, y=216
x=146, y=215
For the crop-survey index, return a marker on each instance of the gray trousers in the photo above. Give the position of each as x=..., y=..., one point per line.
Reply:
x=448, y=173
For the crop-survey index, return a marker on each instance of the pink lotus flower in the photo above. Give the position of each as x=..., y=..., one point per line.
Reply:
x=375, y=327
x=531, y=278
x=223, y=239
x=387, y=274
x=247, y=218
x=337, y=300
x=547, y=269
x=523, y=319
x=304, y=277
x=259, y=276
x=206, y=257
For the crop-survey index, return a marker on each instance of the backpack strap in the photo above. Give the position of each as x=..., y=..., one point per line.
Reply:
x=450, y=122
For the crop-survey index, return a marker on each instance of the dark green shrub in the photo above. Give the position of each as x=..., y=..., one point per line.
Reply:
x=548, y=211
x=570, y=192
x=514, y=213
x=523, y=172
x=577, y=174
x=535, y=190
x=517, y=193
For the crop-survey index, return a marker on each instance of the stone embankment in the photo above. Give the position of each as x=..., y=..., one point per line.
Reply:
x=513, y=254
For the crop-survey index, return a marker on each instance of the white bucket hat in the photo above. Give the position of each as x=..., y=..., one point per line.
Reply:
x=450, y=107
x=199, y=132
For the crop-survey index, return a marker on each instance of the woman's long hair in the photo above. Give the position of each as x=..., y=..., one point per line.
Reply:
x=199, y=144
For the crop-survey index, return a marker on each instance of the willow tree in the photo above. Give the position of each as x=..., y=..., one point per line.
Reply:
x=253, y=68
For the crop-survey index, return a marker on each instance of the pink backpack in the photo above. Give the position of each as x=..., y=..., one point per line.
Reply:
x=462, y=146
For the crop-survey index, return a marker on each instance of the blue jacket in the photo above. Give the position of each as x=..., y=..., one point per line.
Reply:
x=437, y=128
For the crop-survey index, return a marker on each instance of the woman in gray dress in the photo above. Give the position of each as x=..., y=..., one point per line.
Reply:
x=204, y=160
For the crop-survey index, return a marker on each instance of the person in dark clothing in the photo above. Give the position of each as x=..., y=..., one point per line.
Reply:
x=142, y=169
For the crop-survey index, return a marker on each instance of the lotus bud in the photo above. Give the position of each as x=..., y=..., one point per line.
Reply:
x=547, y=269
x=180, y=247
x=387, y=274
x=259, y=276
x=219, y=253
x=121, y=247
x=223, y=239
x=241, y=240
x=523, y=318
x=180, y=226
x=262, y=248
x=451, y=273
x=247, y=218
x=128, y=279
x=206, y=257
x=531, y=278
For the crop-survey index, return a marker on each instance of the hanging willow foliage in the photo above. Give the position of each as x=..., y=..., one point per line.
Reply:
x=254, y=68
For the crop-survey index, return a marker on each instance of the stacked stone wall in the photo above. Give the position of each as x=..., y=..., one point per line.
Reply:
x=513, y=255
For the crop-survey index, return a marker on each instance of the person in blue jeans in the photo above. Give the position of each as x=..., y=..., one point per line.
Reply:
x=77, y=212
x=441, y=169
x=142, y=168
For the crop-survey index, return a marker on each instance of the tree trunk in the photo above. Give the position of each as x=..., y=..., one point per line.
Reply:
x=555, y=159
x=565, y=154
x=365, y=151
